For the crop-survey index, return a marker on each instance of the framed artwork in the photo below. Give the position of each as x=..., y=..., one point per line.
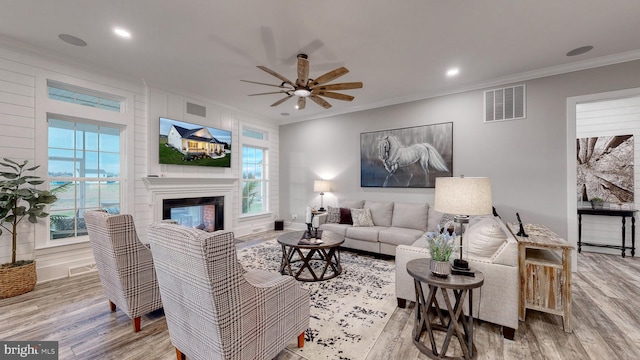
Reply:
x=408, y=157
x=605, y=168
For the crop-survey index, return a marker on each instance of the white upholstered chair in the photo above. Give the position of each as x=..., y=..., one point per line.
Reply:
x=215, y=309
x=125, y=265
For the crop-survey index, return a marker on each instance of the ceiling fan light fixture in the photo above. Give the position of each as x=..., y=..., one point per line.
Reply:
x=302, y=92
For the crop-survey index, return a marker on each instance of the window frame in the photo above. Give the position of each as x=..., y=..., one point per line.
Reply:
x=264, y=145
x=124, y=120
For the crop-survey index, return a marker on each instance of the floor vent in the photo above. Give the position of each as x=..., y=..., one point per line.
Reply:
x=507, y=103
x=83, y=269
x=195, y=109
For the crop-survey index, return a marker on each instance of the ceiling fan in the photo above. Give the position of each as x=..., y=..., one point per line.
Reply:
x=304, y=87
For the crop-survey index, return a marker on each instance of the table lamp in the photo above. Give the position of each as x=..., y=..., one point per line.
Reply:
x=463, y=196
x=321, y=186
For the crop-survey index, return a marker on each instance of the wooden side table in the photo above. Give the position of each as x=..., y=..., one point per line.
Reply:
x=425, y=307
x=544, y=260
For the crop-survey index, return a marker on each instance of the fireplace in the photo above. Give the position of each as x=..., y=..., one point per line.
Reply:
x=204, y=213
x=189, y=188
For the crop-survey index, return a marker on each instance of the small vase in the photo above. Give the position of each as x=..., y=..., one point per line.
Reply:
x=440, y=268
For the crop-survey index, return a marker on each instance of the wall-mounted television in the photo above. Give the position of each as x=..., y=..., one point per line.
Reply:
x=183, y=143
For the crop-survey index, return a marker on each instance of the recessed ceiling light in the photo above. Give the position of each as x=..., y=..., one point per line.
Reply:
x=70, y=39
x=579, y=51
x=122, y=33
x=453, y=72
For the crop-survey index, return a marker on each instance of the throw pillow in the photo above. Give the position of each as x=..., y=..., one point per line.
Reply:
x=333, y=214
x=345, y=216
x=484, y=238
x=361, y=217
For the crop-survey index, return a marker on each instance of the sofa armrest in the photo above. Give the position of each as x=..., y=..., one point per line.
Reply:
x=404, y=282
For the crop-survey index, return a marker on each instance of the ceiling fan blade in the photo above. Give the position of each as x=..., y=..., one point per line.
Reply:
x=259, y=83
x=268, y=93
x=282, y=100
x=320, y=101
x=302, y=101
x=266, y=69
x=341, y=86
x=331, y=75
x=335, y=95
x=303, y=70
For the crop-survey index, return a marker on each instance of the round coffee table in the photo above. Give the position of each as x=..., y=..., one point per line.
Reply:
x=297, y=257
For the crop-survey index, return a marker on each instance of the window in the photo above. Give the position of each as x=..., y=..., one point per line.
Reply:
x=81, y=96
x=254, y=180
x=253, y=133
x=84, y=166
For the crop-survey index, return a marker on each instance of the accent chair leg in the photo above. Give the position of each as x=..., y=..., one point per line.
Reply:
x=508, y=333
x=180, y=355
x=112, y=306
x=301, y=340
x=136, y=324
x=402, y=303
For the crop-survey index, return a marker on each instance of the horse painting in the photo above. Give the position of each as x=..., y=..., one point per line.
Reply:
x=394, y=156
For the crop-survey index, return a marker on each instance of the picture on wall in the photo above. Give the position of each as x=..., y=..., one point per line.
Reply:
x=409, y=157
x=605, y=168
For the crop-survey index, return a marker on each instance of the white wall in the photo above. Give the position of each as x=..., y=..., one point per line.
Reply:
x=20, y=122
x=609, y=118
x=525, y=159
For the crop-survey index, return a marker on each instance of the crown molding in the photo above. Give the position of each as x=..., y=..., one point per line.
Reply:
x=529, y=75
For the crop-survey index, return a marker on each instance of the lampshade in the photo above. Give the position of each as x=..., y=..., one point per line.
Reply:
x=321, y=186
x=463, y=195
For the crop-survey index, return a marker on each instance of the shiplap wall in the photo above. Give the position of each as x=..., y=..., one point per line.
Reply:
x=19, y=74
x=608, y=118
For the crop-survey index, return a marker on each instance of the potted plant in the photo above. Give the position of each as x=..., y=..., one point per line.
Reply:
x=596, y=203
x=19, y=199
x=441, y=246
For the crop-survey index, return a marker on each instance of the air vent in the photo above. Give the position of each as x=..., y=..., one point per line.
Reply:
x=195, y=109
x=505, y=103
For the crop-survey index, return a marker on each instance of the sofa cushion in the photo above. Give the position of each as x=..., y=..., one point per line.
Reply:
x=433, y=219
x=410, y=216
x=369, y=233
x=381, y=212
x=340, y=229
x=351, y=204
x=345, y=216
x=484, y=237
x=399, y=236
x=361, y=217
x=333, y=214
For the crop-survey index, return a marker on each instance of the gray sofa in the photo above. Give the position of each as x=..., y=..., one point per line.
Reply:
x=488, y=245
x=395, y=223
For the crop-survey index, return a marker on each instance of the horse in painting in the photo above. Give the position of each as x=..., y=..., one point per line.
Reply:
x=394, y=156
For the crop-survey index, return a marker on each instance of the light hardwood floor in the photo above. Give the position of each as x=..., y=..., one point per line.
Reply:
x=606, y=317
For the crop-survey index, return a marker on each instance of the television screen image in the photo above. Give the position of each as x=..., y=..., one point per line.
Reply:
x=183, y=143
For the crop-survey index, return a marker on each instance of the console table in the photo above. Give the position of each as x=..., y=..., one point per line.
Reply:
x=610, y=212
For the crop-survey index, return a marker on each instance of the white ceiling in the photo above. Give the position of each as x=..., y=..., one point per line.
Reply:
x=400, y=50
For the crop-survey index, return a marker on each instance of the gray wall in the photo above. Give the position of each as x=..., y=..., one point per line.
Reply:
x=525, y=159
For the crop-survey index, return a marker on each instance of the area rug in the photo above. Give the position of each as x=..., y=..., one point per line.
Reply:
x=348, y=312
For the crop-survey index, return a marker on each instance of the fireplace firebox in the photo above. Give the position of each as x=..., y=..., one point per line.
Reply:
x=205, y=213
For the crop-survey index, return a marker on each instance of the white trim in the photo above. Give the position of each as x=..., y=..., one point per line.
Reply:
x=572, y=204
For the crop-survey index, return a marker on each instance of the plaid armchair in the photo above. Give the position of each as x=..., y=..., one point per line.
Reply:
x=215, y=309
x=125, y=265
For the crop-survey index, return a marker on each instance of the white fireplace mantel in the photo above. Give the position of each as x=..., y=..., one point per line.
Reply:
x=162, y=183
x=161, y=188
